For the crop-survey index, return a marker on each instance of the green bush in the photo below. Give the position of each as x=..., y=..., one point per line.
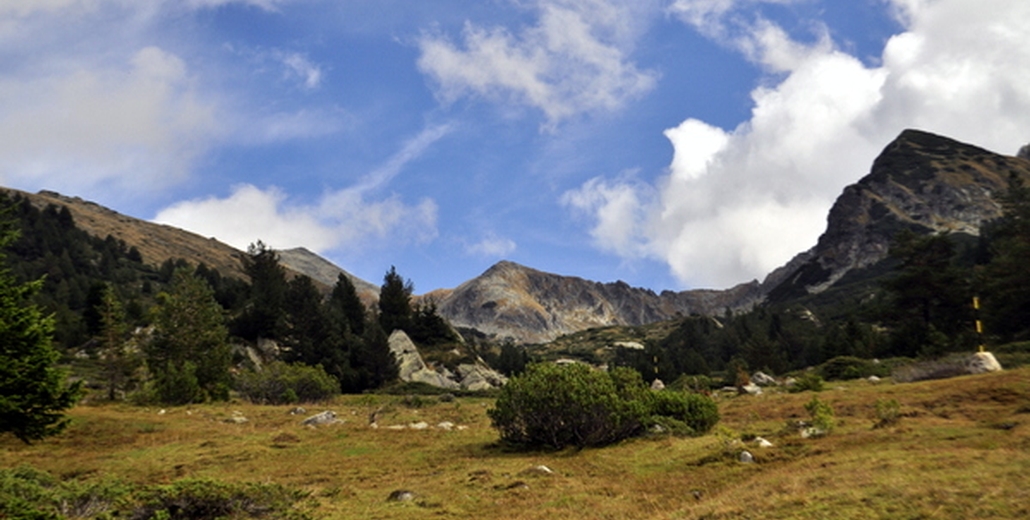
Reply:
x=888, y=412
x=808, y=381
x=843, y=368
x=283, y=383
x=822, y=416
x=556, y=406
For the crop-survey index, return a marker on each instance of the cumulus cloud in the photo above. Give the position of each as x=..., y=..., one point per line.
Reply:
x=736, y=204
x=574, y=60
x=492, y=246
x=141, y=123
x=344, y=218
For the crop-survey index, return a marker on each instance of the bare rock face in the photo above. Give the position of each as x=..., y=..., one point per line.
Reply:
x=982, y=363
x=922, y=182
x=1024, y=152
x=412, y=368
x=531, y=306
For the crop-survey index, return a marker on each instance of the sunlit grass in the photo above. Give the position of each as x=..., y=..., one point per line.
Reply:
x=959, y=450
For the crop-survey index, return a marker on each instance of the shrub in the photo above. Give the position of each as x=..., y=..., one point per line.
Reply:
x=822, y=416
x=557, y=406
x=849, y=367
x=282, y=383
x=808, y=381
x=888, y=412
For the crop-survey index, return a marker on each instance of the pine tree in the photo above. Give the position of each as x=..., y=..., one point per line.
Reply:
x=1007, y=285
x=347, y=306
x=266, y=311
x=33, y=392
x=189, y=353
x=395, y=302
x=119, y=363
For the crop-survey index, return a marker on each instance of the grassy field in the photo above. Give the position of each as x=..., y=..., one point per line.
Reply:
x=961, y=449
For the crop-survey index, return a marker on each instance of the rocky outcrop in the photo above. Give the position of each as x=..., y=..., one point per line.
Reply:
x=982, y=363
x=325, y=272
x=921, y=181
x=412, y=368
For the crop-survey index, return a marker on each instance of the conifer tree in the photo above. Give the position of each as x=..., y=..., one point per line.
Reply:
x=33, y=392
x=119, y=363
x=189, y=353
x=1007, y=285
x=395, y=302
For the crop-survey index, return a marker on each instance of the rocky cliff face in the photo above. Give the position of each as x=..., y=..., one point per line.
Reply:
x=511, y=300
x=921, y=181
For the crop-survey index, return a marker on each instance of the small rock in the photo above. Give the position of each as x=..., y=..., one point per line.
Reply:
x=539, y=470
x=401, y=495
x=298, y=411
x=236, y=419
x=762, y=443
x=657, y=384
x=326, y=417
x=446, y=426
x=873, y=379
x=162, y=412
x=751, y=389
x=397, y=427
x=421, y=425
x=982, y=363
x=812, y=432
x=763, y=379
x=789, y=382
x=746, y=457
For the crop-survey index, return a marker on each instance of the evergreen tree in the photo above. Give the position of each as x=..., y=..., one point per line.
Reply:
x=119, y=364
x=928, y=300
x=265, y=314
x=513, y=358
x=1007, y=279
x=189, y=353
x=346, y=306
x=33, y=392
x=373, y=358
x=395, y=302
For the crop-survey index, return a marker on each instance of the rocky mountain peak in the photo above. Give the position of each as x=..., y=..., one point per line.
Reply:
x=921, y=181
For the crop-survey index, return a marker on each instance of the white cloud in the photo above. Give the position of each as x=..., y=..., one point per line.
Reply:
x=737, y=204
x=141, y=123
x=298, y=65
x=344, y=218
x=573, y=61
x=492, y=247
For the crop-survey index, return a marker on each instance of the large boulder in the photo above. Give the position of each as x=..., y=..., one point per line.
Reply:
x=982, y=362
x=411, y=367
x=763, y=379
x=480, y=377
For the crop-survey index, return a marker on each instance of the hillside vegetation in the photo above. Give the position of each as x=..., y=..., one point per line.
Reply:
x=959, y=449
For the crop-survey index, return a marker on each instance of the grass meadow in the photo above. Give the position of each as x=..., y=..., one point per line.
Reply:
x=960, y=448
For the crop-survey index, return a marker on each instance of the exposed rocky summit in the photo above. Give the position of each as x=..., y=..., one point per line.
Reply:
x=511, y=300
x=921, y=181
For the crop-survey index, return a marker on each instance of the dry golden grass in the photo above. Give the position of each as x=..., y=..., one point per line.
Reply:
x=960, y=450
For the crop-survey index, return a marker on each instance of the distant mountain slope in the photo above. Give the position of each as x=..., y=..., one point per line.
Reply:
x=511, y=300
x=321, y=270
x=921, y=181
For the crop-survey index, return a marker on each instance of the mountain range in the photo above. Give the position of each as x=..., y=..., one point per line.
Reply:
x=921, y=181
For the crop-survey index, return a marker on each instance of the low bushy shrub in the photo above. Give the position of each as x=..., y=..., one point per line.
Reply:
x=822, y=416
x=842, y=368
x=807, y=381
x=556, y=406
x=283, y=383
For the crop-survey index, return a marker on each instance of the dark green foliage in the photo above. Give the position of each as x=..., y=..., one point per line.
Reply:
x=513, y=359
x=395, y=310
x=428, y=327
x=119, y=363
x=265, y=312
x=346, y=306
x=928, y=301
x=843, y=368
x=283, y=383
x=1006, y=286
x=809, y=381
x=189, y=353
x=33, y=392
x=555, y=406
x=28, y=494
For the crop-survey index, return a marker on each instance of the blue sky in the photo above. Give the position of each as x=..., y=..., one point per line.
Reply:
x=671, y=144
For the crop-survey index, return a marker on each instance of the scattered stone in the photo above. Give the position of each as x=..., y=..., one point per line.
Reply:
x=632, y=345
x=298, y=411
x=751, y=389
x=657, y=428
x=162, y=412
x=446, y=426
x=237, y=418
x=812, y=432
x=401, y=495
x=397, y=427
x=982, y=363
x=763, y=443
x=539, y=471
x=697, y=494
x=789, y=382
x=461, y=427
x=324, y=418
x=657, y=384
x=746, y=457
x=445, y=398
x=763, y=379
x=421, y=425
x=873, y=379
